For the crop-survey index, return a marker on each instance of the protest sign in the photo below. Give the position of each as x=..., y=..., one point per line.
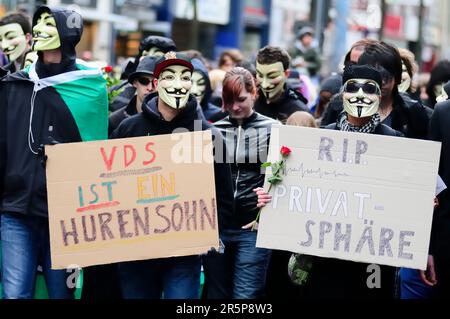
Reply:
x=131, y=199
x=352, y=196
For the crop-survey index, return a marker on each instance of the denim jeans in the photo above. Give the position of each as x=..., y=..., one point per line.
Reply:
x=240, y=272
x=171, y=278
x=412, y=286
x=25, y=245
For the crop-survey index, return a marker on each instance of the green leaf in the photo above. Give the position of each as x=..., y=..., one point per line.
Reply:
x=266, y=164
x=275, y=179
x=275, y=168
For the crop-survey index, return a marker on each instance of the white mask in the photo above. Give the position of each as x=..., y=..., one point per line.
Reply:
x=442, y=97
x=174, y=85
x=271, y=79
x=12, y=40
x=45, y=33
x=154, y=52
x=406, y=80
x=361, y=97
x=198, y=86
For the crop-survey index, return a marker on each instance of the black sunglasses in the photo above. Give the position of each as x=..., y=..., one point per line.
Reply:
x=367, y=87
x=144, y=81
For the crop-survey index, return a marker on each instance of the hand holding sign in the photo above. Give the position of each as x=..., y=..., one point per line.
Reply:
x=351, y=196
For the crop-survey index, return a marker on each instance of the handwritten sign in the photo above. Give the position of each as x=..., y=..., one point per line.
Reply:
x=131, y=199
x=360, y=197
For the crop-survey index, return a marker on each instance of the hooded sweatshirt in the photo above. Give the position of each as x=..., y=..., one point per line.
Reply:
x=150, y=122
x=208, y=108
x=43, y=105
x=290, y=102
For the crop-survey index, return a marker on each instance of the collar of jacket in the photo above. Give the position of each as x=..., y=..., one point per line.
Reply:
x=131, y=108
x=245, y=121
x=185, y=117
x=288, y=93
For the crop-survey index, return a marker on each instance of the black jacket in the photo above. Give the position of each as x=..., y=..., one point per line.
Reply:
x=208, y=108
x=247, y=146
x=124, y=97
x=121, y=114
x=334, y=278
x=22, y=172
x=440, y=132
x=290, y=102
x=408, y=116
x=150, y=122
x=116, y=117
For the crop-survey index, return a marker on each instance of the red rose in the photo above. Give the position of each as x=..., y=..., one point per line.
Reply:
x=285, y=151
x=108, y=69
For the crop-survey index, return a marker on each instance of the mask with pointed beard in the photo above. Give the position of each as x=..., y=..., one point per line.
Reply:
x=361, y=97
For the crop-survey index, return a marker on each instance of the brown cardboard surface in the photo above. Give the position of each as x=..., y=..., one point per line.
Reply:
x=131, y=199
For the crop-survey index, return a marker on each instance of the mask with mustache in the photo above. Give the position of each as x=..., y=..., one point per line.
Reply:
x=361, y=97
x=45, y=33
x=198, y=86
x=443, y=96
x=271, y=79
x=13, y=41
x=406, y=80
x=174, y=86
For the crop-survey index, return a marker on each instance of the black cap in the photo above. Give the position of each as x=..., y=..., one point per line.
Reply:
x=368, y=72
x=145, y=67
x=163, y=43
x=172, y=58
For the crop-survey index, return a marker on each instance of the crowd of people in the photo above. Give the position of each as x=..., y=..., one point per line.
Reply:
x=48, y=96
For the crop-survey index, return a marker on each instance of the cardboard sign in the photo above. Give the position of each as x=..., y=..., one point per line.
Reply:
x=352, y=196
x=131, y=199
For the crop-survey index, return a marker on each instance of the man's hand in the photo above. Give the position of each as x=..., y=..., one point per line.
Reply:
x=429, y=276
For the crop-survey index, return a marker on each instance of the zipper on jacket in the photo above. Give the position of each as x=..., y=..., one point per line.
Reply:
x=236, y=160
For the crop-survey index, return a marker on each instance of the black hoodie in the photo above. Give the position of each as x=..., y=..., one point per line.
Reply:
x=290, y=102
x=70, y=28
x=22, y=171
x=208, y=108
x=150, y=122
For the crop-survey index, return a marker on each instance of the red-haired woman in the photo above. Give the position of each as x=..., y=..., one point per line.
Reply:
x=240, y=271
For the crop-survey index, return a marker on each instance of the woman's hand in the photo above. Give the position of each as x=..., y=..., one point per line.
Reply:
x=253, y=225
x=263, y=197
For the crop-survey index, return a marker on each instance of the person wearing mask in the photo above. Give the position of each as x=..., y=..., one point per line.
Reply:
x=276, y=100
x=397, y=110
x=445, y=93
x=173, y=108
x=152, y=46
x=334, y=108
x=438, y=77
x=409, y=69
x=15, y=40
x=334, y=278
x=201, y=89
x=56, y=100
